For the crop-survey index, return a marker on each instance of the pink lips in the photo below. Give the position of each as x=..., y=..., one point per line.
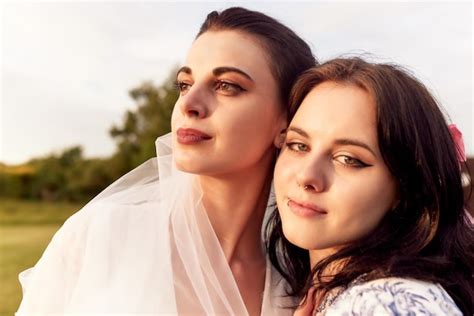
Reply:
x=305, y=209
x=189, y=136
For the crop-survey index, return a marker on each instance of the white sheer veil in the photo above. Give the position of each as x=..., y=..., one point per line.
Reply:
x=143, y=246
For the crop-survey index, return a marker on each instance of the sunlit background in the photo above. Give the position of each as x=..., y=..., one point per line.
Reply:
x=68, y=67
x=77, y=76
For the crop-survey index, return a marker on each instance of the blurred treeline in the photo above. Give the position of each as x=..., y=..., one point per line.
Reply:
x=70, y=176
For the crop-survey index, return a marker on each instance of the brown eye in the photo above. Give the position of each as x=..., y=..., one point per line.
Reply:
x=349, y=161
x=182, y=87
x=298, y=147
x=228, y=88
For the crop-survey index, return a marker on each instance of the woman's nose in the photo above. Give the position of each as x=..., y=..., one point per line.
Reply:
x=311, y=176
x=194, y=103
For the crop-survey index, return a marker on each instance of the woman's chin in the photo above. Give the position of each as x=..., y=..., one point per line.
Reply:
x=197, y=166
x=189, y=166
x=298, y=237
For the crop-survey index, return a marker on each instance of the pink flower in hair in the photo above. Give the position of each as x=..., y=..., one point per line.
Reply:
x=458, y=141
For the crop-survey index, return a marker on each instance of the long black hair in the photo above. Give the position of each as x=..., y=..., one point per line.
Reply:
x=427, y=236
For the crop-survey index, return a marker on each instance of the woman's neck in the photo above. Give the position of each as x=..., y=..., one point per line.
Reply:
x=316, y=256
x=236, y=205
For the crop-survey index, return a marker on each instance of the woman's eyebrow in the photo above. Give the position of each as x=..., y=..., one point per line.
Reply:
x=217, y=71
x=342, y=141
x=354, y=142
x=221, y=70
x=298, y=131
x=184, y=69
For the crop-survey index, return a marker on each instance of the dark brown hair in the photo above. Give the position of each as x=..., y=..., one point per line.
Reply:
x=428, y=235
x=288, y=54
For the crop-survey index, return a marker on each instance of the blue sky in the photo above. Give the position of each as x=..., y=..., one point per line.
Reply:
x=67, y=66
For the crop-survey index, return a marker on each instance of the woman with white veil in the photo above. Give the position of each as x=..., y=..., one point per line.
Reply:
x=181, y=234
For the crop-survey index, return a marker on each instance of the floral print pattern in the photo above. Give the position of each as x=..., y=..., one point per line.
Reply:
x=393, y=296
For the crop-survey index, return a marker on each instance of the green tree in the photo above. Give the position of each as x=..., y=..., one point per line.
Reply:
x=151, y=118
x=52, y=177
x=69, y=176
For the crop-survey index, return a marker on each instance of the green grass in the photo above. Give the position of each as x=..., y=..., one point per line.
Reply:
x=26, y=212
x=26, y=228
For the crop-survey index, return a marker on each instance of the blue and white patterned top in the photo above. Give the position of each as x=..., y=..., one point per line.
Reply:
x=392, y=296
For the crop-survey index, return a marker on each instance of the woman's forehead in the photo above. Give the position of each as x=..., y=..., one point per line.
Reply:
x=215, y=49
x=339, y=109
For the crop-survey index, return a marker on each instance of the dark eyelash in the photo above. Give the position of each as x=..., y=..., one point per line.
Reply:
x=177, y=85
x=359, y=163
x=234, y=85
x=290, y=146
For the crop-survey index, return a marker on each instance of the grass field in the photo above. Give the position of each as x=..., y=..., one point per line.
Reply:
x=26, y=228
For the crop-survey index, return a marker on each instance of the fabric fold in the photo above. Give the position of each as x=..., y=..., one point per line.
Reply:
x=143, y=246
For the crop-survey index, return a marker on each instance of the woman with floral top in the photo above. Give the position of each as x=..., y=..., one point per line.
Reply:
x=371, y=216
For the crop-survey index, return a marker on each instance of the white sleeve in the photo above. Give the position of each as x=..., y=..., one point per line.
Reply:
x=48, y=285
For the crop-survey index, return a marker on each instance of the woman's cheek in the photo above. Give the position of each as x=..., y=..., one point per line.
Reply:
x=283, y=172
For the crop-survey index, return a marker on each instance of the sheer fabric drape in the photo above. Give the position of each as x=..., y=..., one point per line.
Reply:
x=143, y=246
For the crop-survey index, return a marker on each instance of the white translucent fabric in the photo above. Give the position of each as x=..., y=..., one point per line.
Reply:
x=143, y=246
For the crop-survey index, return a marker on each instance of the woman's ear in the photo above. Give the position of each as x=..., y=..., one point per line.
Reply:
x=282, y=124
x=280, y=138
